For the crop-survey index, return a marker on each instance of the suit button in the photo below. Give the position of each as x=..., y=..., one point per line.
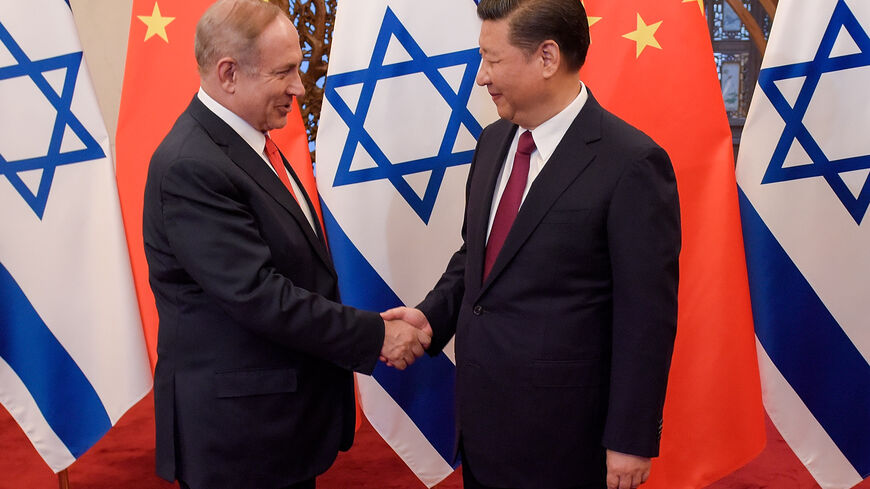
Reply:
x=477, y=310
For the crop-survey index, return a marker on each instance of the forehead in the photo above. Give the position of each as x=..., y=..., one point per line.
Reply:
x=279, y=43
x=494, y=35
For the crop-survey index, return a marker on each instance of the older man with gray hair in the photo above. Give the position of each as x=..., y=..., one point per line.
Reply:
x=253, y=384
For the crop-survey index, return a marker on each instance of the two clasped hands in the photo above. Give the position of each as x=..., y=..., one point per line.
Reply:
x=407, y=334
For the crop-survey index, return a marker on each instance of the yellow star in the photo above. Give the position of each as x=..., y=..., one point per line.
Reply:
x=644, y=35
x=156, y=23
x=700, y=4
x=590, y=20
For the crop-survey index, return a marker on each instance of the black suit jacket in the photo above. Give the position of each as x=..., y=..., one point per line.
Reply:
x=565, y=348
x=253, y=384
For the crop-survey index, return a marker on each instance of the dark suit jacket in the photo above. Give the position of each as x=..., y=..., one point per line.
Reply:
x=565, y=348
x=253, y=385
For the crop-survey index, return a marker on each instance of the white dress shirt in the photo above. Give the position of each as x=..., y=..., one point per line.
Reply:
x=547, y=136
x=257, y=141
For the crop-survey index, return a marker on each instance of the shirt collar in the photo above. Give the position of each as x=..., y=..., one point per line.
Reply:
x=548, y=135
x=254, y=138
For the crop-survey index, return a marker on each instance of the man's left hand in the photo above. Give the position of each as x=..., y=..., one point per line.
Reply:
x=626, y=471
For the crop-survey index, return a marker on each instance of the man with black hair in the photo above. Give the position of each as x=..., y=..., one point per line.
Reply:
x=563, y=296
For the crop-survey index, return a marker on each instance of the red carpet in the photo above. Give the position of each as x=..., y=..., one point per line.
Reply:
x=124, y=458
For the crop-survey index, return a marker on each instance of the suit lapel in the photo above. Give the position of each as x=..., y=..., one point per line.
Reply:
x=490, y=159
x=251, y=163
x=318, y=234
x=567, y=162
x=256, y=168
x=313, y=236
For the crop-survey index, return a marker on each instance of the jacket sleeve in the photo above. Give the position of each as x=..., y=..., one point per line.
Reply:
x=441, y=306
x=643, y=227
x=215, y=238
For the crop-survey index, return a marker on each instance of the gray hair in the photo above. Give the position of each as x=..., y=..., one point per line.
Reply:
x=230, y=28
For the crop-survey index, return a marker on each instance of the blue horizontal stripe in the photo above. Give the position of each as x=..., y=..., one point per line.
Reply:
x=806, y=343
x=64, y=395
x=425, y=389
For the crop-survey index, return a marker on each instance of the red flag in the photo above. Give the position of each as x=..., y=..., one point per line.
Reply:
x=159, y=81
x=651, y=62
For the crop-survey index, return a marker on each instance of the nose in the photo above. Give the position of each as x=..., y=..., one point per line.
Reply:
x=296, y=88
x=482, y=78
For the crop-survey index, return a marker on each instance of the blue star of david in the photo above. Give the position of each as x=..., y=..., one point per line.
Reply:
x=394, y=171
x=795, y=129
x=65, y=118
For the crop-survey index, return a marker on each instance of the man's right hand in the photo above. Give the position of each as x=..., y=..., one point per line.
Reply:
x=413, y=316
x=403, y=343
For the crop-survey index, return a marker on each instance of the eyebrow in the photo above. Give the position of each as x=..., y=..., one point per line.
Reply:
x=285, y=67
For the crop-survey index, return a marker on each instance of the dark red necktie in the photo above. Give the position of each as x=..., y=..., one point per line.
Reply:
x=510, y=201
x=278, y=164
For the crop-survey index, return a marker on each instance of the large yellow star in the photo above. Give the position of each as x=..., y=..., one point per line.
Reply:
x=644, y=35
x=700, y=4
x=590, y=20
x=156, y=23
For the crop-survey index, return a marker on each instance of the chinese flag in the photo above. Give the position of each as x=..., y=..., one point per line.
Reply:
x=651, y=62
x=159, y=81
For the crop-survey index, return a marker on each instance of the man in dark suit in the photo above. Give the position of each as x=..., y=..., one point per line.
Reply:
x=253, y=385
x=563, y=296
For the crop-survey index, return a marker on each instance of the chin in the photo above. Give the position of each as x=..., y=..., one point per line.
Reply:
x=505, y=114
x=278, y=123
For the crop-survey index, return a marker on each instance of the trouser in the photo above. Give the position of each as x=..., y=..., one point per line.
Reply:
x=469, y=482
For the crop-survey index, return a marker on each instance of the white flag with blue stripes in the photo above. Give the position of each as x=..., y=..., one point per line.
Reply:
x=400, y=120
x=804, y=177
x=72, y=352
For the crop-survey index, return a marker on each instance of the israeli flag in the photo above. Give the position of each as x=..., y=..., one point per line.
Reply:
x=804, y=188
x=398, y=127
x=72, y=352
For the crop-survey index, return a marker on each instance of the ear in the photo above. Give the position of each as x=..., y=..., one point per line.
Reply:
x=551, y=57
x=227, y=73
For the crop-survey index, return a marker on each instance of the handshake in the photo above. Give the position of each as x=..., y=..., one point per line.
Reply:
x=407, y=334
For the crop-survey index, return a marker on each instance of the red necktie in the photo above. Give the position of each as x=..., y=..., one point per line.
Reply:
x=510, y=201
x=278, y=164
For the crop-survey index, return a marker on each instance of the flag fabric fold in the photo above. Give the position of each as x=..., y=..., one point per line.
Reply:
x=804, y=192
x=400, y=119
x=160, y=79
x=72, y=353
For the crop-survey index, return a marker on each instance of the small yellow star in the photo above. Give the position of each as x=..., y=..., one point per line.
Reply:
x=590, y=20
x=156, y=23
x=644, y=35
x=700, y=4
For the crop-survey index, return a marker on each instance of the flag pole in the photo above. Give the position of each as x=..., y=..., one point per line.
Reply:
x=63, y=479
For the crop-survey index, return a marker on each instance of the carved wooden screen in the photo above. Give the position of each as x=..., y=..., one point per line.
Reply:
x=739, y=30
